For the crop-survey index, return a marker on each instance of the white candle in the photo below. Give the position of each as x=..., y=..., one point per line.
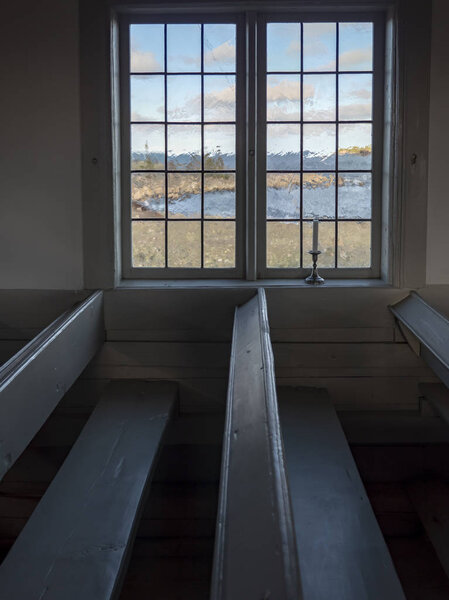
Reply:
x=315, y=235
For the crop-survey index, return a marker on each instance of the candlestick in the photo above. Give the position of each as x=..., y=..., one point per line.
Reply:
x=314, y=278
x=315, y=235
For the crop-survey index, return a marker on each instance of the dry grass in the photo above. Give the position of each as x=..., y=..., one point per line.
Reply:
x=283, y=244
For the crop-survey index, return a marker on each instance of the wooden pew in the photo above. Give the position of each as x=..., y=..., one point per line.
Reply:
x=427, y=332
x=34, y=380
x=342, y=553
x=76, y=543
x=255, y=554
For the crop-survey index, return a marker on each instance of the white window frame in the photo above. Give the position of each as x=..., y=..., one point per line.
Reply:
x=250, y=164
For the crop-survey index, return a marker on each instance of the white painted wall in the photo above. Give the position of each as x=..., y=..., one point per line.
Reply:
x=438, y=196
x=40, y=181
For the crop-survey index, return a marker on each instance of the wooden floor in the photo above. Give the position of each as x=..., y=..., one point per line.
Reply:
x=387, y=472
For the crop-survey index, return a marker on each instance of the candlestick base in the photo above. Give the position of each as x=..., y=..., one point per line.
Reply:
x=314, y=278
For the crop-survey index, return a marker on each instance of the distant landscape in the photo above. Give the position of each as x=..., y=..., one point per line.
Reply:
x=283, y=194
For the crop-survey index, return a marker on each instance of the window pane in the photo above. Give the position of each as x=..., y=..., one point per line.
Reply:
x=283, y=195
x=283, y=147
x=283, y=244
x=147, y=147
x=354, y=146
x=283, y=47
x=319, y=97
x=319, y=147
x=184, y=195
x=148, y=244
x=147, y=98
x=355, y=97
x=354, y=244
x=148, y=195
x=184, y=98
x=219, y=48
x=184, y=147
x=326, y=244
x=356, y=46
x=320, y=46
x=146, y=48
x=219, y=195
x=219, y=244
x=219, y=147
x=184, y=244
x=354, y=196
x=219, y=98
x=283, y=97
x=319, y=195
x=184, y=48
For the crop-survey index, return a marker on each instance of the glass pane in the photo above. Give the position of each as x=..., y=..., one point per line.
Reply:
x=283, y=97
x=147, y=98
x=354, y=244
x=326, y=244
x=219, y=244
x=354, y=150
x=219, y=48
x=319, y=147
x=283, y=244
x=146, y=48
x=219, y=98
x=356, y=46
x=283, y=47
x=147, y=147
x=284, y=147
x=320, y=46
x=184, y=244
x=355, y=97
x=283, y=195
x=319, y=97
x=219, y=195
x=184, y=195
x=184, y=147
x=219, y=147
x=148, y=195
x=354, y=196
x=319, y=195
x=184, y=48
x=148, y=244
x=184, y=98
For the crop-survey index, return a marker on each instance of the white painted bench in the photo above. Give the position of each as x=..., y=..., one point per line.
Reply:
x=255, y=555
x=35, y=379
x=342, y=553
x=76, y=542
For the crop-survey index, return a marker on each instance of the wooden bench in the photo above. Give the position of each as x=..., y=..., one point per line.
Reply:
x=35, y=379
x=427, y=332
x=255, y=555
x=76, y=542
x=342, y=553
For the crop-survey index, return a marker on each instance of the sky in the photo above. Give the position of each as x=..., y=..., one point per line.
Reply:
x=283, y=90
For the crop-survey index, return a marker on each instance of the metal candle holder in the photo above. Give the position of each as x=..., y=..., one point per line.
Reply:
x=314, y=278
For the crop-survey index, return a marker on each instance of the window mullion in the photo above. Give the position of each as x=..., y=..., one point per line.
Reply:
x=251, y=142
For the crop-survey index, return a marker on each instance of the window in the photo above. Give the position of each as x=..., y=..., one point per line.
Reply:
x=232, y=145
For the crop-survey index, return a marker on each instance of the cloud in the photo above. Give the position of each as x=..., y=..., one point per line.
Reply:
x=144, y=61
x=223, y=53
x=355, y=58
x=221, y=102
x=355, y=111
x=284, y=90
x=365, y=94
